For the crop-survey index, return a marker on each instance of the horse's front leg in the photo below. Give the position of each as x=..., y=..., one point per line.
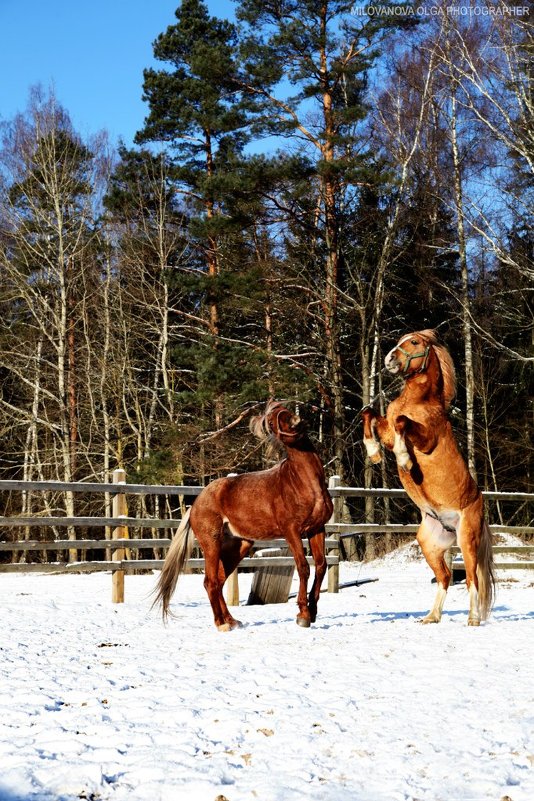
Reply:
x=372, y=423
x=317, y=546
x=294, y=540
x=402, y=455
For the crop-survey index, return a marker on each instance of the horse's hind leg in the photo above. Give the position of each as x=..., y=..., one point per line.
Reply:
x=221, y=555
x=317, y=547
x=233, y=550
x=468, y=539
x=213, y=584
x=222, y=564
x=434, y=541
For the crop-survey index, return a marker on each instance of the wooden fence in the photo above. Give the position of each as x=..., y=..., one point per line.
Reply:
x=120, y=548
x=525, y=552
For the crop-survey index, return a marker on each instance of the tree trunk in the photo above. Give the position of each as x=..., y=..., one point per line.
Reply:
x=465, y=299
x=71, y=346
x=213, y=271
x=331, y=189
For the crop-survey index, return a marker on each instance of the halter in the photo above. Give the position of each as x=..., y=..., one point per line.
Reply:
x=411, y=356
x=283, y=433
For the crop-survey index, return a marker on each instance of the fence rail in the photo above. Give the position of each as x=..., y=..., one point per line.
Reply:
x=88, y=522
x=117, y=488
x=336, y=490
x=120, y=546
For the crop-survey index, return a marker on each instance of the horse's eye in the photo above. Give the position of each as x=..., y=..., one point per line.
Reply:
x=415, y=342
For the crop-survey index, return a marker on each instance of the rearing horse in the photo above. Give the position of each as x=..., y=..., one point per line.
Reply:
x=289, y=500
x=432, y=470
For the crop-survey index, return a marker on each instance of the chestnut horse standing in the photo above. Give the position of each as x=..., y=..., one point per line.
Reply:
x=432, y=470
x=289, y=500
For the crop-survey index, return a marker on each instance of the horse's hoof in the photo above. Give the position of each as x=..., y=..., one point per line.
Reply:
x=428, y=619
x=304, y=622
x=376, y=458
x=473, y=622
x=235, y=624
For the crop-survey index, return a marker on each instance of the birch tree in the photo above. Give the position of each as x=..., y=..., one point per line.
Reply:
x=48, y=222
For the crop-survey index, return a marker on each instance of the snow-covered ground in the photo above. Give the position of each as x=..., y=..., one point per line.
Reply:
x=99, y=701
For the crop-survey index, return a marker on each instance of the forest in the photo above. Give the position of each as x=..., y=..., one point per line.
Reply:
x=310, y=182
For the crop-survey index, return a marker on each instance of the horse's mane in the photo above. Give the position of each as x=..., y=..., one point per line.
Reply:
x=259, y=426
x=445, y=362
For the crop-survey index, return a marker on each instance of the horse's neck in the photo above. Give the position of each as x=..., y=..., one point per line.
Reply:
x=416, y=388
x=303, y=457
x=424, y=386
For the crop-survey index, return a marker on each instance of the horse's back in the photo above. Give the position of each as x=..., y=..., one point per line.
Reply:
x=262, y=505
x=244, y=502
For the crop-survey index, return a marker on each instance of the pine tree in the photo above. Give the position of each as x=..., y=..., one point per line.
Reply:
x=324, y=52
x=199, y=113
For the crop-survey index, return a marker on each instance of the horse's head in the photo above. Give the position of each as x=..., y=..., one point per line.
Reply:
x=278, y=422
x=411, y=353
x=418, y=352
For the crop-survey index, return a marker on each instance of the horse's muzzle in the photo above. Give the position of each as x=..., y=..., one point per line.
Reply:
x=392, y=364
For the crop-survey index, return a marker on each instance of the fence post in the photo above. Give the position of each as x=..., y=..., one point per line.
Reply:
x=337, y=514
x=333, y=570
x=120, y=509
x=232, y=589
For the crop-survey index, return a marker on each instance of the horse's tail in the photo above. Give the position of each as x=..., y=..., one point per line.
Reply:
x=175, y=562
x=485, y=572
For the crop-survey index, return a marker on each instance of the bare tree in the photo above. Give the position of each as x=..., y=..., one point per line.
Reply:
x=48, y=222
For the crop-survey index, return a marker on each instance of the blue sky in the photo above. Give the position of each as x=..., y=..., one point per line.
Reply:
x=93, y=54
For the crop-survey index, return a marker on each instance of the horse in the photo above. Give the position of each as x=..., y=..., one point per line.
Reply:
x=432, y=470
x=289, y=500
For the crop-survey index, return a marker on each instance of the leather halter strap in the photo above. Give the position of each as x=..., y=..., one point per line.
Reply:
x=411, y=356
x=284, y=433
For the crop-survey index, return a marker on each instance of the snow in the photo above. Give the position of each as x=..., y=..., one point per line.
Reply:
x=103, y=702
